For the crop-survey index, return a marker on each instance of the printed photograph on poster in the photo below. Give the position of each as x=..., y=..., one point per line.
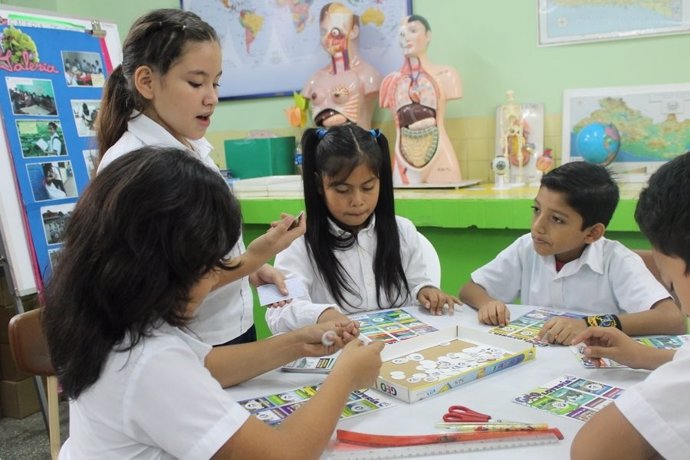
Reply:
x=55, y=219
x=83, y=69
x=90, y=160
x=41, y=138
x=31, y=96
x=52, y=181
x=54, y=255
x=85, y=112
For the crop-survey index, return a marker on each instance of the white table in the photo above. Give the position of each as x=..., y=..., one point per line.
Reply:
x=492, y=394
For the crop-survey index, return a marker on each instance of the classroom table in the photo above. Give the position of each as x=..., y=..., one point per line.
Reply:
x=491, y=395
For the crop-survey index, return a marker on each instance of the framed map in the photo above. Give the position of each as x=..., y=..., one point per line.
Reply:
x=571, y=21
x=633, y=129
x=272, y=47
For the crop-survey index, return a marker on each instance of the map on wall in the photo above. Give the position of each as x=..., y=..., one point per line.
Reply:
x=643, y=127
x=272, y=47
x=568, y=21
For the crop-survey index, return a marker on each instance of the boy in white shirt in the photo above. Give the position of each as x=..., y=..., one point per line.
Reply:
x=651, y=419
x=565, y=263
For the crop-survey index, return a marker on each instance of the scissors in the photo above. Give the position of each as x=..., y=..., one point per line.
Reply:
x=459, y=414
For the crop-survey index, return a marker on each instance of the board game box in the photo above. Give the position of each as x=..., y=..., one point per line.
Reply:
x=440, y=361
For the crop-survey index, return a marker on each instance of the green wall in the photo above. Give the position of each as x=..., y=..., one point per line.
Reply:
x=492, y=43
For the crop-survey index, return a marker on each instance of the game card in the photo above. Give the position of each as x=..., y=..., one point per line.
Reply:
x=273, y=409
x=269, y=293
x=390, y=326
x=571, y=397
x=527, y=326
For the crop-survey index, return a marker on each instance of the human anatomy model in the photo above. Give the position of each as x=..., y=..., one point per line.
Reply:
x=417, y=96
x=345, y=91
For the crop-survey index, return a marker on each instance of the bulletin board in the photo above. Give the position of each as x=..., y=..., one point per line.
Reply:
x=52, y=73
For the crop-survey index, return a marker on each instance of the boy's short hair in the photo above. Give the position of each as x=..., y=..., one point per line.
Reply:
x=588, y=188
x=663, y=209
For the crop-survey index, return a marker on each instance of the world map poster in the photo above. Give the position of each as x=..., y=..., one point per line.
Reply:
x=568, y=21
x=272, y=47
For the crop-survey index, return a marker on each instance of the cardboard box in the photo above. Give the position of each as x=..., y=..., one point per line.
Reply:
x=8, y=366
x=260, y=157
x=18, y=399
x=437, y=362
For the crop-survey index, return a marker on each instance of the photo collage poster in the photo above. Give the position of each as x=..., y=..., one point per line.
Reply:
x=51, y=83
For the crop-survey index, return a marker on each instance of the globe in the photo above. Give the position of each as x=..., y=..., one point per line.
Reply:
x=598, y=143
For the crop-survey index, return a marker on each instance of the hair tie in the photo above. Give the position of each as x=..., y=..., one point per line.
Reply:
x=375, y=133
x=321, y=132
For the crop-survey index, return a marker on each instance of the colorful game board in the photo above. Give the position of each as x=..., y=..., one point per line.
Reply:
x=527, y=327
x=662, y=342
x=273, y=409
x=390, y=326
x=571, y=397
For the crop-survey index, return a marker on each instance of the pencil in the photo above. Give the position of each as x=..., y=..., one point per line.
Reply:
x=475, y=427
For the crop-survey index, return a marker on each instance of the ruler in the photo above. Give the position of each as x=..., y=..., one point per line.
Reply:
x=352, y=452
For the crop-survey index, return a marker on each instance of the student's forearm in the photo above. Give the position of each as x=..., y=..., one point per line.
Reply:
x=314, y=422
x=598, y=440
x=652, y=358
x=234, y=364
x=664, y=318
x=302, y=436
x=248, y=264
x=474, y=295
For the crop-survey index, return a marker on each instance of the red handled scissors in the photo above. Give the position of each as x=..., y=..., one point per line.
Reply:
x=459, y=414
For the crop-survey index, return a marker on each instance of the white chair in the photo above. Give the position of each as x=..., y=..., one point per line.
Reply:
x=431, y=260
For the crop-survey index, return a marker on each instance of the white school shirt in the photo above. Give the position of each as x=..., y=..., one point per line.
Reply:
x=606, y=278
x=227, y=312
x=157, y=401
x=358, y=262
x=658, y=407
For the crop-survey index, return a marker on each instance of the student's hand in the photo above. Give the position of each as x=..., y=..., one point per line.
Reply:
x=494, y=313
x=278, y=237
x=359, y=363
x=348, y=327
x=339, y=333
x=561, y=330
x=267, y=274
x=609, y=342
x=435, y=300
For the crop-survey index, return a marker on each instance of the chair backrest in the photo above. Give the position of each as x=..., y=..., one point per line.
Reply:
x=28, y=343
x=431, y=260
x=648, y=260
